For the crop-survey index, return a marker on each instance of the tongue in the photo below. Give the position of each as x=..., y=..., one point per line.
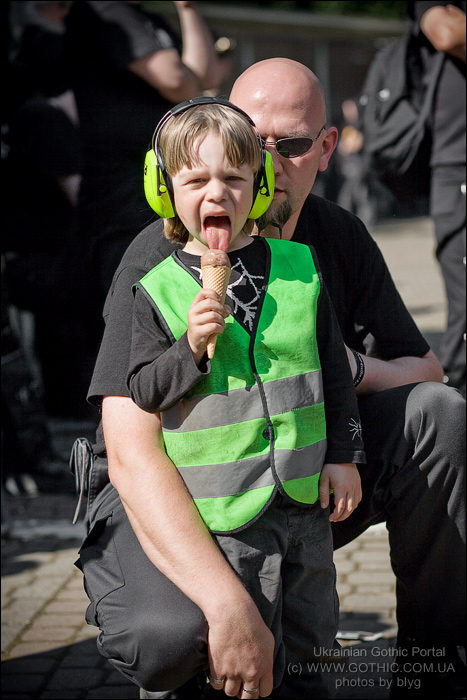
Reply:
x=217, y=232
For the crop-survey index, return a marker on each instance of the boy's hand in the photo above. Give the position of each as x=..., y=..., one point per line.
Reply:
x=205, y=316
x=344, y=479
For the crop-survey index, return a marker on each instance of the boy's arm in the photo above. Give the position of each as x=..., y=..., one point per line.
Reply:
x=343, y=430
x=160, y=373
x=176, y=540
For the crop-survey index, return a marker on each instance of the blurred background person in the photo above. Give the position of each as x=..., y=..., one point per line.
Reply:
x=38, y=32
x=358, y=191
x=352, y=166
x=128, y=68
x=40, y=171
x=441, y=26
x=41, y=164
x=25, y=441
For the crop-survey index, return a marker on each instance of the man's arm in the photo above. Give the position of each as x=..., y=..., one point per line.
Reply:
x=199, y=53
x=445, y=28
x=176, y=540
x=386, y=374
x=199, y=68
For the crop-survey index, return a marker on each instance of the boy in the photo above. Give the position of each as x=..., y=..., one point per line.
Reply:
x=249, y=430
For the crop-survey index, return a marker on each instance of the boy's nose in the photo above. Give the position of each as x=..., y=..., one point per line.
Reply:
x=216, y=190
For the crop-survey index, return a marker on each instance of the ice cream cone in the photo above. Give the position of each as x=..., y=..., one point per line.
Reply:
x=215, y=277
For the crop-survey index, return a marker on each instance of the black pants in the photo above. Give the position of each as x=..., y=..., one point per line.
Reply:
x=153, y=634
x=414, y=480
x=447, y=207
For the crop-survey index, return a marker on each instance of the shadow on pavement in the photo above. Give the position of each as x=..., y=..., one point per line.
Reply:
x=78, y=671
x=75, y=671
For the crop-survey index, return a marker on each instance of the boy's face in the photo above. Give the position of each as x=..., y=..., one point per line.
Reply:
x=213, y=199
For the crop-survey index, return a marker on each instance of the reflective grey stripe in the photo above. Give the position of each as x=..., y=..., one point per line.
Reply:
x=218, y=480
x=230, y=407
x=296, y=464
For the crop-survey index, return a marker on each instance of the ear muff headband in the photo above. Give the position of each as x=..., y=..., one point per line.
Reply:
x=157, y=182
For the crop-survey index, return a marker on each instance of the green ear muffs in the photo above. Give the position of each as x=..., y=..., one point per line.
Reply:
x=157, y=183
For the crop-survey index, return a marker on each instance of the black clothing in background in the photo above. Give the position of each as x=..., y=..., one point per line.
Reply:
x=42, y=250
x=449, y=106
x=41, y=55
x=118, y=113
x=447, y=192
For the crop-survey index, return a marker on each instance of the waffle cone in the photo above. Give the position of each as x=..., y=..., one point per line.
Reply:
x=216, y=278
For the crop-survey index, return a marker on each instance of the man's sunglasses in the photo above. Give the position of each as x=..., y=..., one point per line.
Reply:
x=293, y=147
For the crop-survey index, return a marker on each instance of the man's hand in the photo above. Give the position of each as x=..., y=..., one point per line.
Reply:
x=444, y=27
x=241, y=652
x=205, y=317
x=344, y=479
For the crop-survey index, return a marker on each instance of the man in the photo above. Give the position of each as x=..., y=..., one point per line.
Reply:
x=412, y=432
x=128, y=67
x=396, y=491
x=440, y=26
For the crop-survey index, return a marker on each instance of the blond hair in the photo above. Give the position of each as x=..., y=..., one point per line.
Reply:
x=179, y=141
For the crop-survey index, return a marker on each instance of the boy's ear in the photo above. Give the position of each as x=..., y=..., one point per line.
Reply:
x=264, y=186
x=155, y=187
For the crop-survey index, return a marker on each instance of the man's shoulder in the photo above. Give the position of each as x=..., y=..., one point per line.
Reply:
x=315, y=204
x=321, y=219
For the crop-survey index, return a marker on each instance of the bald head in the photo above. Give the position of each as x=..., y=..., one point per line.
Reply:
x=280, y=82
x=286, y=100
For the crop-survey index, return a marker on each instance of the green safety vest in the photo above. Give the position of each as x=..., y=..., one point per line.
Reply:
x=256, y=422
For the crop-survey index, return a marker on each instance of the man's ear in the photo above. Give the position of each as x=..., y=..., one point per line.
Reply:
x=327, y=147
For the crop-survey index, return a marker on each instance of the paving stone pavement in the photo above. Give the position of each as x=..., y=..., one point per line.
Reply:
x=48, y=650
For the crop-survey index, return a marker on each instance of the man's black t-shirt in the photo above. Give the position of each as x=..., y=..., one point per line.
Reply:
x=371, y=314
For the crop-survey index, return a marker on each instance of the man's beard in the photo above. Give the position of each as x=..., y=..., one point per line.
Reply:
x=277, y=216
